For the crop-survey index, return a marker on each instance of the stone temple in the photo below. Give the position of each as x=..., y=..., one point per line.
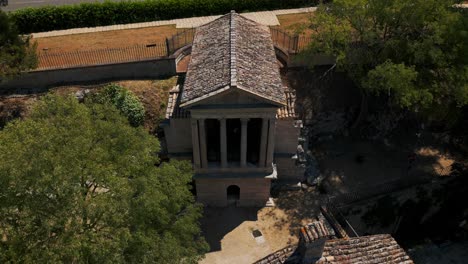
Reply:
x=233, y=116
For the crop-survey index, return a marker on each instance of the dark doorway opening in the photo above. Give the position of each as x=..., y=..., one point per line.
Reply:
x=254, y=134
x=233, y=132
x=233, y=193
x=213, y=151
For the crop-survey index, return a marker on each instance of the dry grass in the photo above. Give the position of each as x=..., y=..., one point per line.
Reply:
x=152, y=93
x=295, y=23
x=12, y=108
x=291, y=23
x=154, y=96
x=106, y=39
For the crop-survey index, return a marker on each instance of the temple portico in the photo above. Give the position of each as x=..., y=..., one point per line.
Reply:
x=227, y=114
x=251, y=143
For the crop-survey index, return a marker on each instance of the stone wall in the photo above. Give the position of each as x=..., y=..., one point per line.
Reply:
x=286, y=142
x=178, y=135
x=37, y=81
x=213, y=191
x=288, y=169
x=286, y=136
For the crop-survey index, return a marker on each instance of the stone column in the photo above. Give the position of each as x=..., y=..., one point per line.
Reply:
x=271, y=142
x=243, y=160
x=223, y=142
x=195, y=144
x=203, y=157
x=263, y=143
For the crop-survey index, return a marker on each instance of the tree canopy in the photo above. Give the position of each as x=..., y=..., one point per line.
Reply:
x=16, y=55
x=124, y=100
x=413, y=52
x=80, y=185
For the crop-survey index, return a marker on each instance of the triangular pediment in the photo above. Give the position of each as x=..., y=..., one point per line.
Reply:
x=233, y=97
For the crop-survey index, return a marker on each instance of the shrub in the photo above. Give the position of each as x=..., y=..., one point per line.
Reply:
x=110, y=13
x=125, y=101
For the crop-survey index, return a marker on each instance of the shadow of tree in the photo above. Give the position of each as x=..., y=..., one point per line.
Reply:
x=300, y=207
x=217, y=222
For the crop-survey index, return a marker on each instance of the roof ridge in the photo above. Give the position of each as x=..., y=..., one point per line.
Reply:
x=232, y=51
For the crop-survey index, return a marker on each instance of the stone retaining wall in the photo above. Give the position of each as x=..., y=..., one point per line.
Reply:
x=37, y=81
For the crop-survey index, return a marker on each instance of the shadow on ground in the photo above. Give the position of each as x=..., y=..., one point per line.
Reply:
x=217, y=222
x=300, y=207
x=356, y=165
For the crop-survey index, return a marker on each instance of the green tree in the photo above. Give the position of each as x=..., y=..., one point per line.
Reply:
x=79, y=185
x=126, y=102
x=16, y=54
x=413, y=52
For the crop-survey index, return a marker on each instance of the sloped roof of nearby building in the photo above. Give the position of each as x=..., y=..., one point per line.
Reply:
x=316, y=230
x=338, y=247
x=233, y=52
x=288, y=254
x=374, y=249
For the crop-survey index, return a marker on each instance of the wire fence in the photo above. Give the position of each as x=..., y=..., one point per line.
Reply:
x=100, y=56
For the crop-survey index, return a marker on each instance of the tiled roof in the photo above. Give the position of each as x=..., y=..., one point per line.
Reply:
x=233, y=52
x=375, y=249
x=288, y=111
x=174, y=110
x=316, y=230
x=284, y=255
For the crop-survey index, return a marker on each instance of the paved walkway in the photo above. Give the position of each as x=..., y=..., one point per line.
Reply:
x=265, y=17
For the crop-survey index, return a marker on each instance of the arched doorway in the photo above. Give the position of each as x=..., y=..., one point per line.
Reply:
x=233, y=194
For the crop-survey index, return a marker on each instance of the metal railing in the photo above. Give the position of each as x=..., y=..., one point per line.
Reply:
x=49, y=60
x=180, y=40
x=291, y=44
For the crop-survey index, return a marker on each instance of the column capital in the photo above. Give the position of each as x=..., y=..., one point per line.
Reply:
x=244, y=120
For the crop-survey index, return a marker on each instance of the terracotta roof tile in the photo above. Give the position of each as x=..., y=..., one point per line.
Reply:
x=173, y=109
x=288, y=111
x=281, y=256
x=316, y=230
x=378, y=249
x=233, y=52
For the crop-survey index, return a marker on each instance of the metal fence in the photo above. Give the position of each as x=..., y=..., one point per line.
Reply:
x=291, y=44
x=49, y=60
x=180, y=40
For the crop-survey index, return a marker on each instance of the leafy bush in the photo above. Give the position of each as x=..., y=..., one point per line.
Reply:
x=125, y=101
x=110, y=13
